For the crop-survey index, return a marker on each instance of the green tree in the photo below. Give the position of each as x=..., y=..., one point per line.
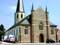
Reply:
x=1, y=31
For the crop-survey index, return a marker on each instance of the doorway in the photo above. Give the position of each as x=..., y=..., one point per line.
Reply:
x=41, y=38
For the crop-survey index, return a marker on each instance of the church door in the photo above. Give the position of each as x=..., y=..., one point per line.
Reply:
x=41, y=38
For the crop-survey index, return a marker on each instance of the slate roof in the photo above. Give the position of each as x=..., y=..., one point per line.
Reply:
x=52, y=25
x=25, y=21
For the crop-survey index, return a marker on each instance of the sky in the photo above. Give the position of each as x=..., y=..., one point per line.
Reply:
x=8, y=9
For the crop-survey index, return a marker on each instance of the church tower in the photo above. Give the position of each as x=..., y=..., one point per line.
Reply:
x=20, y=13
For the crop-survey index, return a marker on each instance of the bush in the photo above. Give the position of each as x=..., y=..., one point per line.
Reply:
x=59, y=40
x=50, y=41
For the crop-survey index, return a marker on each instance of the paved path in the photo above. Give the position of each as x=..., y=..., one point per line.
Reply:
x=4, y=43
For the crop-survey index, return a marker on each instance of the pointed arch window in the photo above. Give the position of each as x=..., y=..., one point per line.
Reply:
x=21, y=15
x=19, y=34
x=41, y=25
x=52, y=30
x=26, y=29
x=17, y=16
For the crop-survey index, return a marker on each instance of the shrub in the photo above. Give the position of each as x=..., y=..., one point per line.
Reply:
x=50, y=41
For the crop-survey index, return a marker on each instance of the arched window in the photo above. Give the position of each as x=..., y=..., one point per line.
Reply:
x=26, y=31
x=19, y=34
x=52, y=30
x=41, y=25
x=17, y=16
x=21, y=15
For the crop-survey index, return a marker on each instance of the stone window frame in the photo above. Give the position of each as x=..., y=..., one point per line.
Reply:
x=26, y=30
x=52, y=30
x=41, y=25
x=19, y=34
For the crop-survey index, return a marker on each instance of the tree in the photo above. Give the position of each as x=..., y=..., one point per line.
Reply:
x=1, y=31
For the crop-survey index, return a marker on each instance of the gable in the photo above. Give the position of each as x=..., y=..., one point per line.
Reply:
x=40, y=10
x=39, y=14
x=25, y=22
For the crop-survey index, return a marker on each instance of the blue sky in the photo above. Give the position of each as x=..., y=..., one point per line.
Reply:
x=8, y=8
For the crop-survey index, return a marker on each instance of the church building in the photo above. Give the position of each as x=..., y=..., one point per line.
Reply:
x=34, y=28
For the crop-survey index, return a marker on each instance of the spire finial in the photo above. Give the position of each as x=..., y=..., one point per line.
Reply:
x=17, y=9
x=32, y=8
x=46, y=10
x=20, y=6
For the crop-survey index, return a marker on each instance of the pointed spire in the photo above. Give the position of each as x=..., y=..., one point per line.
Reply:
x=17, y=10
x=47, y=23
x=20, y=6
x=32, y=8
x=46, y=10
